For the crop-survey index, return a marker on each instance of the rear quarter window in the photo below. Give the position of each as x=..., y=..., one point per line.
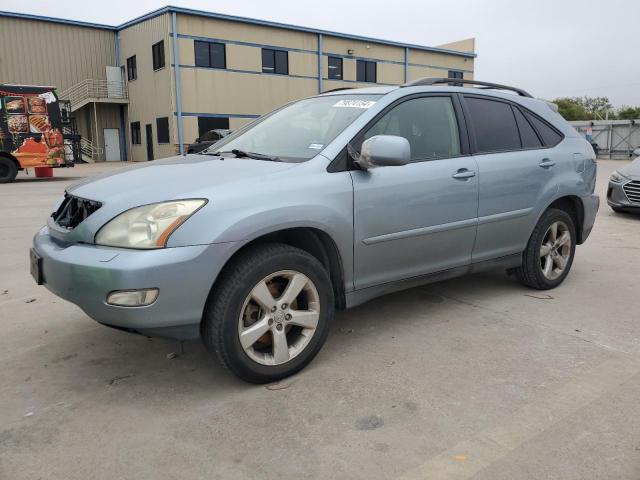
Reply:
x=549, y=135
x=528, y=135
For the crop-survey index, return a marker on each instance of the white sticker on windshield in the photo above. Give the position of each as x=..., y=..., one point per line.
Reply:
x=316, y=146
x=354, y=103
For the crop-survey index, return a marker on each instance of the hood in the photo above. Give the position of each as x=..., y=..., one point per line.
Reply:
x=631, y=170
x=179, y=177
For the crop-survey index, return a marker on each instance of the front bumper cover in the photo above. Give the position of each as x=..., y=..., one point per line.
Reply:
x=618, y=199
x=84, y=275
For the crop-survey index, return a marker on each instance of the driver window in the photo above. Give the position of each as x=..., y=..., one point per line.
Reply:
x=428, y=123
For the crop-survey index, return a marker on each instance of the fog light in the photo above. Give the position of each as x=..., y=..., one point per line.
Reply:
x=133, y=298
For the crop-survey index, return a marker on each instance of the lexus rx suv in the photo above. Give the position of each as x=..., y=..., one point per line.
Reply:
x=325, y=203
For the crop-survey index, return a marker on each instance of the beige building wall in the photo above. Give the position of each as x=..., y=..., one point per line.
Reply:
x=34, y=52
x=151, y=95
x=240, y=92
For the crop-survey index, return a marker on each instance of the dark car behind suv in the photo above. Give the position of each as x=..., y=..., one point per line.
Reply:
x=207, y=139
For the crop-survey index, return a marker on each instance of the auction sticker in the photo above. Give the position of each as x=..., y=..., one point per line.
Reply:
x=354, y=103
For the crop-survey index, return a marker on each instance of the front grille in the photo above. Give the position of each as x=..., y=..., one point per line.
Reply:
x=73, y=211
x=632, y=190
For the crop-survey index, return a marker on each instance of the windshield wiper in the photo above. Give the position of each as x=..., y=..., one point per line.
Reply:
x=252, y=155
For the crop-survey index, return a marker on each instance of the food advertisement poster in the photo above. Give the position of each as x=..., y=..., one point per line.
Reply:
x=30, y=125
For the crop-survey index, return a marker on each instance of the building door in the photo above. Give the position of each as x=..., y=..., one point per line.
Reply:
x=149, y=130
x=112, y=145
x=115, y=82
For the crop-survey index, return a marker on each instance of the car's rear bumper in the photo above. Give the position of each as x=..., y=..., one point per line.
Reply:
x=590, y=204
x=86, y=274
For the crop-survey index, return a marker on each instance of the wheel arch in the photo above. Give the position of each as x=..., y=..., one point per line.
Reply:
x=312, y=240
x=572, y=204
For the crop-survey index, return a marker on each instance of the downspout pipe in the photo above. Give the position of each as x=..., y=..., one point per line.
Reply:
x=176, y=71
x=320, y=87
x=123, y=134
x=406, y=64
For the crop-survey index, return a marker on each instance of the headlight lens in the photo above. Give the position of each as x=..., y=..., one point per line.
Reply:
x=148, y=226
x=617, y=177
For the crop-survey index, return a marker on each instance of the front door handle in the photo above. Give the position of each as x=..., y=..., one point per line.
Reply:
x=546, y=163
x=463, y=174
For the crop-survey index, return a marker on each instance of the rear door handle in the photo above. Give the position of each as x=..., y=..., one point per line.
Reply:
x=546, y=163
x=463, y=174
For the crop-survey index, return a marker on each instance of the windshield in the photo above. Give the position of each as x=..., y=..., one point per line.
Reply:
x=301, y=130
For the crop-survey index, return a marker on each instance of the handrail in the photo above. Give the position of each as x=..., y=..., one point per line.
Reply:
x=92, y=88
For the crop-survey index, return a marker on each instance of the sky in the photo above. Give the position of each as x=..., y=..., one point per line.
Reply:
x=552, y=48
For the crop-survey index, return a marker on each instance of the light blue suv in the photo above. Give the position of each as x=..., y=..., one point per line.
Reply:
x=325, y=203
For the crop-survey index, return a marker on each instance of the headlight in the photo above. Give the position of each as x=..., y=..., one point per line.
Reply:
x=617, y=177
x=148, y=226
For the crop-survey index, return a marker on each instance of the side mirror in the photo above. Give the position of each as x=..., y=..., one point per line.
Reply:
x=636, y=152
x=384, y=151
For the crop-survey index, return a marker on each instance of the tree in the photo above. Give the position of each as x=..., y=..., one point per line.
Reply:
x=571, y=109
x=628, y=113
x=584, y=108
x=597, y=107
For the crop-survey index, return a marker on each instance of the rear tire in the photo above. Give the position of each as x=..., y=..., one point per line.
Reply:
x=548, y=257
x=8, y=170
x=269, y=313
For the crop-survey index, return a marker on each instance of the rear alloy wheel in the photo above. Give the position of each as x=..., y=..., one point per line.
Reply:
x=555, y=250
x=8, y=170
x=269, y=313
x=549, y=254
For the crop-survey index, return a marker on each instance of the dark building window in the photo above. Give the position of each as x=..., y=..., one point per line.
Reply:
x=132, y=70
x=275, y=61
x=335, y=68
x=366, y=71
x=157, y=52
x=455, y=74
x=136, y=138
x=494, y=125
x=206, y=124
x=209, y=54
x=162, y=129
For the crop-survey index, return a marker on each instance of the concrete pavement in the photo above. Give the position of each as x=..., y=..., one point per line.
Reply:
x=476, y=377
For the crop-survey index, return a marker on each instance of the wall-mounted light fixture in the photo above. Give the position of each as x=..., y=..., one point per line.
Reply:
x=350, y=51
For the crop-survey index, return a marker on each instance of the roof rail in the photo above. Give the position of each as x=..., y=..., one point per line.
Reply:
x=488, y=85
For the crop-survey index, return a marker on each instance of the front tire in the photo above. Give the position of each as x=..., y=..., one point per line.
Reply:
x=269, y=313
x=8, y=170
x=549, y=254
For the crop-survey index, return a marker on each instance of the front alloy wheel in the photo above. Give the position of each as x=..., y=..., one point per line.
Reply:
x=269, y=312
x=279, y=317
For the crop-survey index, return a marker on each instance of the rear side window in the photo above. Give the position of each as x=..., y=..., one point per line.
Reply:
x=429, y=123
x=527, y=133
x=550, y=137
x=494, y=125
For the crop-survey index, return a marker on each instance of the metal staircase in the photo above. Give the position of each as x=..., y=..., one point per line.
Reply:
x=92, y=90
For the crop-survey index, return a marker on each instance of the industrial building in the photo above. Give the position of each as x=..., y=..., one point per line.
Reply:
x=147, y=88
